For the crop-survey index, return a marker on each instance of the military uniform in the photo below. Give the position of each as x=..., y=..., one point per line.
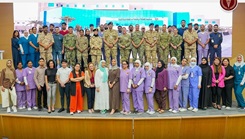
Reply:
x=176, y=40
x=137, y=37
x=150, y=52
x=190, y=50
x=158, y=45
x=45, y=40
x=110, y=36
x=82, y=50
x=164, y=40
x=69, y=41
x=125, y=40
x=216, y=38
x=95, y=52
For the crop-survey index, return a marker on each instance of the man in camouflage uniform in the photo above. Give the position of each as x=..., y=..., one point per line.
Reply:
x=45, y=41
x=158, y=42
x=163, y=48
x=69, y=42
x=137, y=41
x=96, y=45
x=175, y=46
x=124, y=41
x=110, y=38
x=150, y=37
x=82, y=49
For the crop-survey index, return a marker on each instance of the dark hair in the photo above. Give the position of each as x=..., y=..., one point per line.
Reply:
x=19, y=62
x=156, y=25
x=81, y=30
x=227, y=60
x=125, y=62
x=91, y=25
x=51, y=25
x=219, y=69
x=56, y=27
x=196, y=24
x=41, y=59
x=29, y=61
x=33, y=28
x=64, y=60
x=130, y=26
x=164, y=25
x=119, y=26
x=79, y=72
x=95, y=30
x=169, y=26
x=183, y=20
x=18, y=36
x=48, y=63
x=45, y=26
x=137, y=25
x=174, y=26
x=186, y=60
x=64, y=23
x=216, y=25
x=70, y=27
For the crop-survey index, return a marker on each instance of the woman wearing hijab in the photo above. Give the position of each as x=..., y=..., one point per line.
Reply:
x=229, y=83
x=175, y=76
x=87, y=34
x=24, y=48
x=137, y=82
x=102, y=89
x=20, y=87
x=184, y=91
x=218, y=77
x=161, y=86
x=195, y=85
x=150, y=88
x=96, y=45
x=239, y=80
x=114, y=85
x=205, y=97
x=7, y=84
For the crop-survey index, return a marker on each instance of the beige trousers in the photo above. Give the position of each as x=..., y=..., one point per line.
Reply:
x=5, y=97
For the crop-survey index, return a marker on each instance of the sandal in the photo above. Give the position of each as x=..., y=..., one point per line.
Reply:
x=161, y=111
x=158, y=109
x=214, y=105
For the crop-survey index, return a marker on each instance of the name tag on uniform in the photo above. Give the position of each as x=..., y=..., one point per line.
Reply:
x=200, y=39
x=239, y=72
x=155, y=38
x=111, y=37
x=212, y=41
x=192, y=75
x=29, y=72
x=219, y=35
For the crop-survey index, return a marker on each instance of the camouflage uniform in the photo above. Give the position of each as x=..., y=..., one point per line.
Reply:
x=125, y=40
x=110, y=36
x=82, y=50
x=45, y=40
x=151, y=52
x=163, y=49
x=176, y=41
x=158, y=45
x=95, y=52
x=137, y=37
x=190, y=51
x=69, y=41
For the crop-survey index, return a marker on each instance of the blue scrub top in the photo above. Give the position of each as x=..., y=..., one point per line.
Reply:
x=33, y=39
x=195, y=72
x=25, y=44
x=239, y=73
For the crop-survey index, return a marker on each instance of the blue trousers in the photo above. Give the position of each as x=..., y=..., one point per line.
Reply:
x=24, y=59
x=59, y=55
x=183, y=97
x=34, y=57
x=212, y=52
x=238, y=93
x=194, y=96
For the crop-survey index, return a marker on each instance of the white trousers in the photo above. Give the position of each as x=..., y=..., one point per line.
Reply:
x=5, y=97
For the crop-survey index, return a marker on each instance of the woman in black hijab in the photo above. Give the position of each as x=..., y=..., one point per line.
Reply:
x=205, y=97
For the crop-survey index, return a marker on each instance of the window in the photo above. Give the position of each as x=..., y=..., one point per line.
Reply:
x=50, y=4
x=113, y=6
x=213, y=22
x=206, y=22
x=83, y=5
x=192, y=20
x=67, y=5
x=199, y=20
x=97, y=6
x=75, y=5
x=142, y=8
x=106, y=6
x=122, y=6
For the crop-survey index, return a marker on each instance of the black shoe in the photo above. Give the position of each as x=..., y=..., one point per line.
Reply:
x=46, y=107
x=67, y=111
x=40, y=109
x=49, y=112
x=53, y=110
x=60, y=110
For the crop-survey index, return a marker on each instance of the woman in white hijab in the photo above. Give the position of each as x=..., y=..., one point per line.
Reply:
x=239, y=80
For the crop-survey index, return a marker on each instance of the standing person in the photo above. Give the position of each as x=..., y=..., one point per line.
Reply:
x=239, y=80
x=63, y=74
x=175, y=76
x=119, y=29
x=30, y=85
x=96, y=46
x=124, y=42
x=150, y=87
x=181, y=31
x=203, y=41
x=40, y=83
x=91, y=27
x=175, y=45
x=69, y=43
x=184, y=91
x=15, y=48
x=82, y=49
x=114, y=86
x=90, y=86
x=88, y=34
x=51, y=28
x=34, y=53
x=137, y=81
x=40, y=30
x=216, y=39
x=218, y=77
x=137, y=43
x=190, y=37
x=76, y=102
x=7, y=82
x=51, y=82
x=229, y=83
x=125, y=87
x=205, y=97
x=102, y=89
x=195, y=85
x=63, y=30
x=45, y=41
x=161, y=86
x=58, y=48
x=101, y=33
x=164, y=41
x=24, y=48
x=20, y=87
x=77, y=30
x=110, y=39
x=151, y=38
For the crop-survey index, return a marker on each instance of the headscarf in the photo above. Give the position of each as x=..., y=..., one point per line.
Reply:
x=105, y=76
x=114, y=67
x=193, y=58
x=149, y=65
x=138, y=61
x=204, y=65
x=158, y=70
x=174, y=65
x=240, y=63
x=9, y=72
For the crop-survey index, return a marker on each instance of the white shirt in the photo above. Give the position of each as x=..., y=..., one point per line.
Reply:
x=63, y=73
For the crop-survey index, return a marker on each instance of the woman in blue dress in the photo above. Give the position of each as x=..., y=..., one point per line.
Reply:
x=15, y=48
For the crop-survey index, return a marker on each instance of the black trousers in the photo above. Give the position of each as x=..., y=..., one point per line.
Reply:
x=227, y=95
x=90, y=97
x=65, y=91
x=216, y=94
x=42, y=92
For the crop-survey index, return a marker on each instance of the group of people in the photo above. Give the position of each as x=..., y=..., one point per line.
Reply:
x=201, y=85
